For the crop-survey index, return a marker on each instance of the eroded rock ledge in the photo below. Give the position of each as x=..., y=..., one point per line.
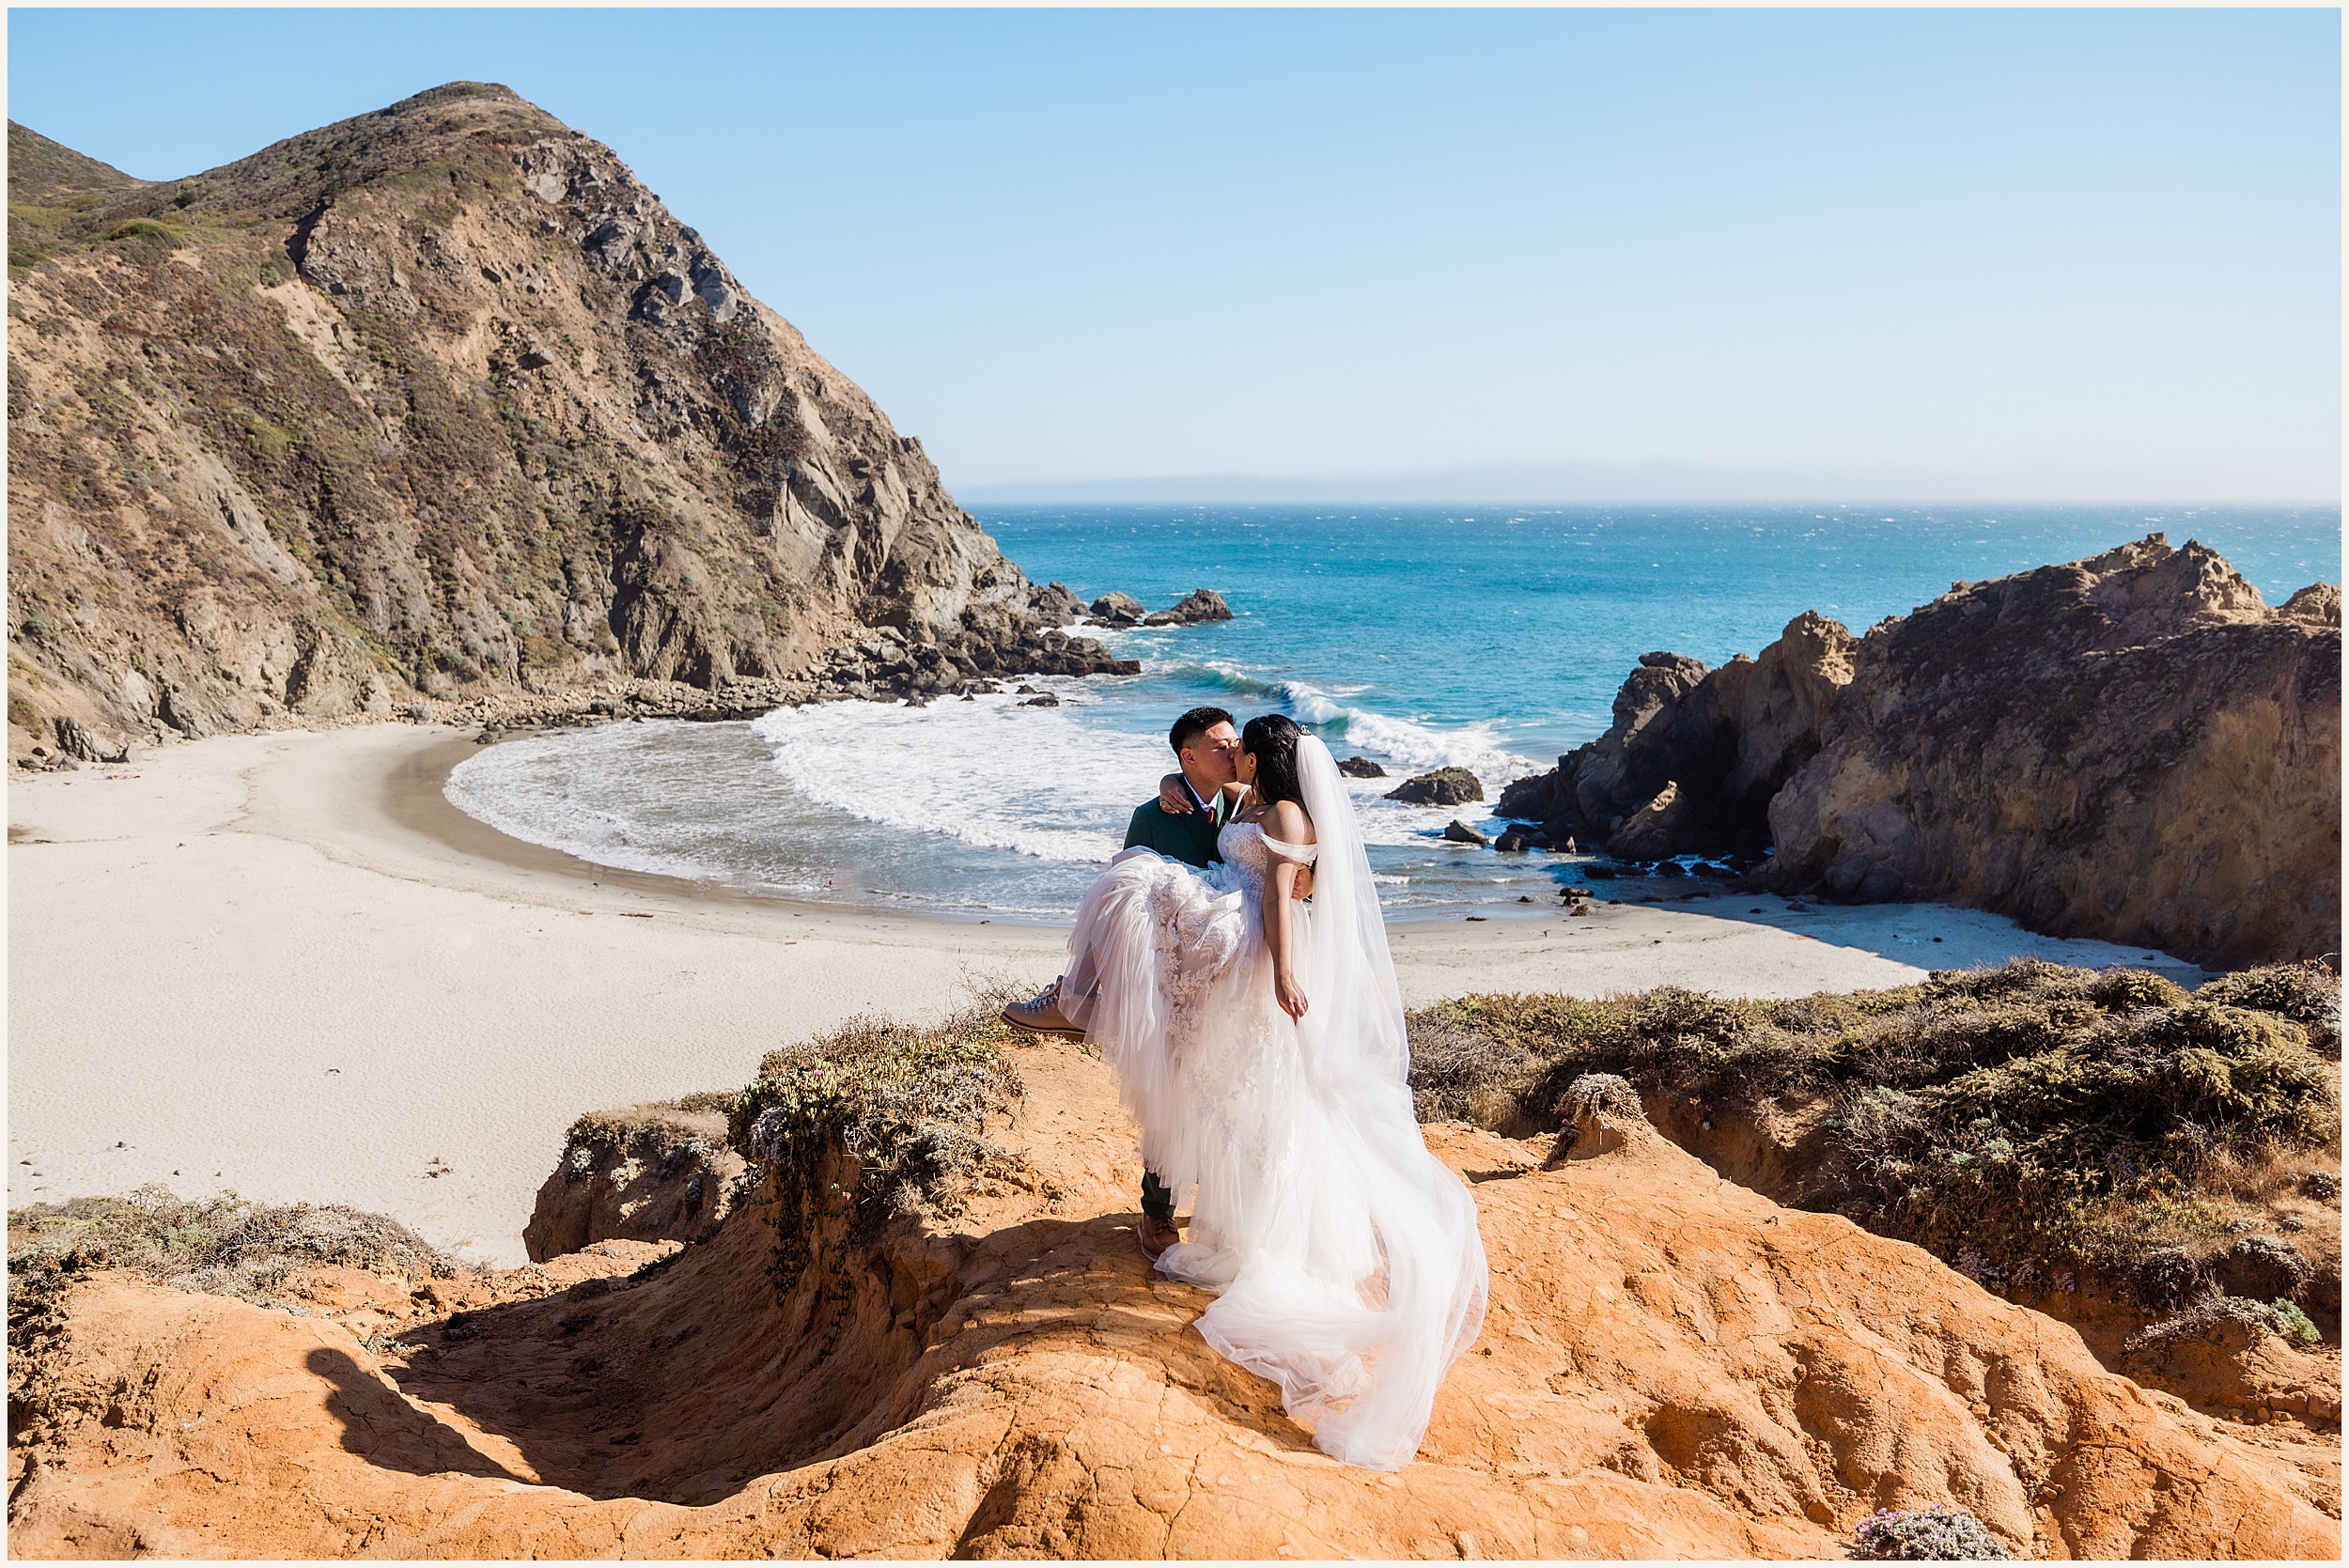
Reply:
x=1673, y=1367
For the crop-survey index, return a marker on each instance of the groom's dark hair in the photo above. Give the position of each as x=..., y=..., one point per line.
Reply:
x=1192, y=725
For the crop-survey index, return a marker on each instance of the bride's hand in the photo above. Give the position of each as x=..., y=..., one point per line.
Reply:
x=1285, y=991
x=1173, y=798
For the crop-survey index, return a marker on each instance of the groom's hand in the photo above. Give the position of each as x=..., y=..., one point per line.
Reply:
x=1304, y=887
x=1173, y=798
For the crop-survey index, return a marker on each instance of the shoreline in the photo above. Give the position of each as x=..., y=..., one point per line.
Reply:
x=284, y=964
x=415, y=796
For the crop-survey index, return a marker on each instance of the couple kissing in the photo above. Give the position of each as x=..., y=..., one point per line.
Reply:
x=1257, y=1037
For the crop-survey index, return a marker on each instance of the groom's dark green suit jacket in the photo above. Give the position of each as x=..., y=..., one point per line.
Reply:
x=1188, y=838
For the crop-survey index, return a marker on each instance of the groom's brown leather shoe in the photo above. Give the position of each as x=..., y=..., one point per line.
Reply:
x=1042, y=1016
x=1156, y=1236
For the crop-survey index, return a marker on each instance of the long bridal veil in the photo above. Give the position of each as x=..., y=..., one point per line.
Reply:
x=1359, y=1274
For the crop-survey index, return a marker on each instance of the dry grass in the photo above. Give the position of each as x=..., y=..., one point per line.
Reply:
x=662, y=1133
x=222, y=1246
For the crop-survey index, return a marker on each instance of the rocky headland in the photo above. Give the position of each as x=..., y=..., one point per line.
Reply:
x=439, y=411
x=2133, y=747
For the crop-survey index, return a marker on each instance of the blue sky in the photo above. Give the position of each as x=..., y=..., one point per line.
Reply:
x=1975, y=254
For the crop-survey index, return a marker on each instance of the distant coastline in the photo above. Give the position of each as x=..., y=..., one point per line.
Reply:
x=1660, y=482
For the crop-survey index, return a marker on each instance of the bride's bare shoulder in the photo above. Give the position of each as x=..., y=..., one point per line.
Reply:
x=1289, y=824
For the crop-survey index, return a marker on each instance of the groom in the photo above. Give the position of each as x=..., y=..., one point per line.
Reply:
x=1206, y=748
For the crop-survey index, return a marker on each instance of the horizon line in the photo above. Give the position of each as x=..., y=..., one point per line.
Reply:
x=1097, y=495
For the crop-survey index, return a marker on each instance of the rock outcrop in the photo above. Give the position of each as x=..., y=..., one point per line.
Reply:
x=2318, y=604
x=653, y=1173
x=1196, y=608
x=2132, y=747
x=77, y=739
x=1722, y=742
x=1663, y=735
x=438, y=401
x=1445, y=786
x=1671, y=1367
x=2233, y=1365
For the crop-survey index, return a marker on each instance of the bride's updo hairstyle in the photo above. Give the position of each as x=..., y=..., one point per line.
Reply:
x=1271, y=739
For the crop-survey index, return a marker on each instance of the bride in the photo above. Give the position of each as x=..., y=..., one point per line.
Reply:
x=1259, y=1043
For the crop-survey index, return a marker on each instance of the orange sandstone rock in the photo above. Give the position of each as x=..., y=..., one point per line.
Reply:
x=1673, y=1367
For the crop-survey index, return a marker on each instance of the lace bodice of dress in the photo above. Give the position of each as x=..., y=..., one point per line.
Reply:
x=1248, y=849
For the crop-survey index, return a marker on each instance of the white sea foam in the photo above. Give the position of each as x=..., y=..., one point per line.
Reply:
x=1411, y=744
x=988, y=772
x=871, y=800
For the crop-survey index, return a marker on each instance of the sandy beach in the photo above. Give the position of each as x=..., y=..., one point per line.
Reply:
x=283, y=964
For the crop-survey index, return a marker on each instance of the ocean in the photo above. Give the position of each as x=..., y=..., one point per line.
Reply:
x=1491, y=638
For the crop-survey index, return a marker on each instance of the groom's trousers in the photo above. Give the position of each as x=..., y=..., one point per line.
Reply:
x=1157, y=1201
x=1189, y=837
x=1075, y=1005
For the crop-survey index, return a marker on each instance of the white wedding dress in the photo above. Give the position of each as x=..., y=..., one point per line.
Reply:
x=1345, y=1257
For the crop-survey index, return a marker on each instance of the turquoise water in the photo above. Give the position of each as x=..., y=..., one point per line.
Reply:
x=1490, y=637
x=1526, y=619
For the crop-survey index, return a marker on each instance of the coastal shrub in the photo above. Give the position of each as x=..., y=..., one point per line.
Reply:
x=658, y=1133
x=2123, y=990
x=1463, y=1074
x=2297, y=1328
x=2307, y=994
x=2027, y=1122
x=145, y=240
x=2280, y=1317
x=222, y=1245
x=1935, y=1535
x=876, y=1121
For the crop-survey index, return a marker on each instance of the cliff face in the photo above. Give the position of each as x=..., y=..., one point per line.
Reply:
x=652, y=1173
x=2133, y=747
x=1694, y=755
x=440, y=399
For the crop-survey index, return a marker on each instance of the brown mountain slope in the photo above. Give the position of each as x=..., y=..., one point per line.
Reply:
x=51, y=187
x=1673, y=1367
x=436, y=399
